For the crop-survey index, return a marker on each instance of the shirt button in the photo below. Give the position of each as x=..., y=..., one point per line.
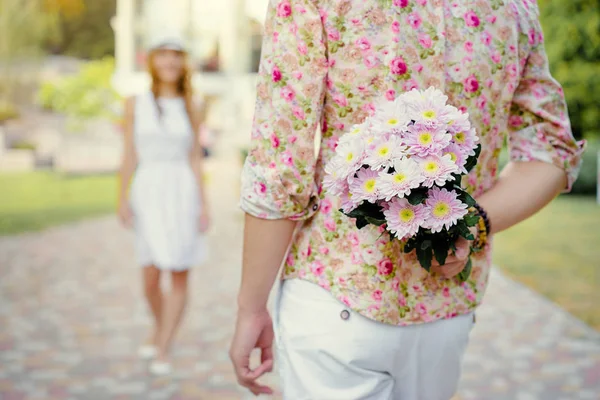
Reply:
x=345, y=314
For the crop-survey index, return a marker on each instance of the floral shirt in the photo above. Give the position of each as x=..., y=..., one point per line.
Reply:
x=326, y=62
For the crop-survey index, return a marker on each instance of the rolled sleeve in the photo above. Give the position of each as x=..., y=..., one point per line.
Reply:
x=539, y=126
x=278, y=177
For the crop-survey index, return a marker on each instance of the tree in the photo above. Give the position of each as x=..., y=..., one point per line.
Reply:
x=83, y=28
x=572, y=29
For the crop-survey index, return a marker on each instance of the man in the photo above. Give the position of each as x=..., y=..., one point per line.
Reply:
x=355, y=317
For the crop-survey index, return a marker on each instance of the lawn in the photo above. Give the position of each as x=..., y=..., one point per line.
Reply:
x=557, y=253
x=35, y=200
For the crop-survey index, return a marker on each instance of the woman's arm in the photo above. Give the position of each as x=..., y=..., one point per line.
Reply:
x=128, y=163
x=197, y=117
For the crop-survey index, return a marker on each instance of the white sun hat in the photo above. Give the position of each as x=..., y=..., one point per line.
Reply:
x=167, y=41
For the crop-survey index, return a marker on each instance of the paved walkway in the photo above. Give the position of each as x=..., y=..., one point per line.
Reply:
x=72, y=316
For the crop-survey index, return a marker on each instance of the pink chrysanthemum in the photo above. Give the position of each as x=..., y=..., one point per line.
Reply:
x=366, y=185
x=404, y=219
x=443, y=209
x=406, y=176
x=426, y=139
x=437, y=170
x=349, y=202
x=466, y=140
x=457, y=156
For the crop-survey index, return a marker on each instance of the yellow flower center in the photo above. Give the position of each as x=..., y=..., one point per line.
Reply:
x=429, y=114
x=370, y=185
x=355, y=131
x=441, y=209
x=460, y=137
x=452, y=156
x=425, y=138
x=350, y=157
x=406, y=215
x=370, y=140
x=399, y=178
x=383, y=151
x=392, y=121
x=451, y=122
x=431, y=166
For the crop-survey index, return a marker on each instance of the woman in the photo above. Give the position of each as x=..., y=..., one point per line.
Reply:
x=356, y=317
x=166, y=204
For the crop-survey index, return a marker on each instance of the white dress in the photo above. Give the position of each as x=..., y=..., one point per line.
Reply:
x=164, y=194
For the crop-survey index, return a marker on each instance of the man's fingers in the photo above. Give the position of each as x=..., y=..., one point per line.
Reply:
x=263, y=368
x=449, y=270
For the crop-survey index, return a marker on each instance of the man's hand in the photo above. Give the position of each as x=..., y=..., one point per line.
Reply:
x=456, y=262
x=254, y=329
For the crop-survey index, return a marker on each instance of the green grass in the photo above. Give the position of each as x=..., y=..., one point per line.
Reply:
x=35, y=200
x=557, y=253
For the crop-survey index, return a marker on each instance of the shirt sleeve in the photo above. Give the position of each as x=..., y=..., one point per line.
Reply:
x=539, y=126
x=278, y=177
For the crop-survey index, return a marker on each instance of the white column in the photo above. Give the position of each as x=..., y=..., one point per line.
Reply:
x=124, y=39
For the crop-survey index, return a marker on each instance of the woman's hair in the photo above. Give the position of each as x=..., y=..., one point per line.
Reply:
x=184, y=84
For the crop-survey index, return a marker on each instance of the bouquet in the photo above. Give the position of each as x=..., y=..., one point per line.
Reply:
x=401, y=170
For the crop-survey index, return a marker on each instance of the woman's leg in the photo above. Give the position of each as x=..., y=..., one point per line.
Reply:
x=154, y=296
x=172, y=312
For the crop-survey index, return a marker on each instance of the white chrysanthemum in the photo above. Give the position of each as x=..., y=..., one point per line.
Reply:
x=406, y=175
x=349, y=157
x=427, y=106
x=385, y=149
x=456, y=120
x=354, y=133
x=390, y=117
x=336, y=179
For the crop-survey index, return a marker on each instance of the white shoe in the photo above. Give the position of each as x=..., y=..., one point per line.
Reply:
x=160, y=368
x=147, y=352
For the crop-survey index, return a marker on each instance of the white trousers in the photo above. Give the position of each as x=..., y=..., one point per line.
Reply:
x=328, y=352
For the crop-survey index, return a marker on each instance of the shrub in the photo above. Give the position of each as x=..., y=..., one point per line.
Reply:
x=7, y=111
x=588, y=179
x=23, y=145
x=85, y=95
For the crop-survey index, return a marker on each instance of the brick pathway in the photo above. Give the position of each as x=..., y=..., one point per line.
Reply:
x=72, y=316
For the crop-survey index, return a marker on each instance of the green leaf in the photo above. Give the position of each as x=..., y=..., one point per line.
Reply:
x=417, y=196
x=472, y=160
x=375, y=221
x=424, y=257
x=361, y=222
x=426, y=244
x=410, y=245
x=440, y=250
x=464, y=231
x=466, y=272
x=471, y=219
x=467, y=198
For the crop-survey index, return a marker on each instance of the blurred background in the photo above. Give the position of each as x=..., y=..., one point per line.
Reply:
x=71, y=310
